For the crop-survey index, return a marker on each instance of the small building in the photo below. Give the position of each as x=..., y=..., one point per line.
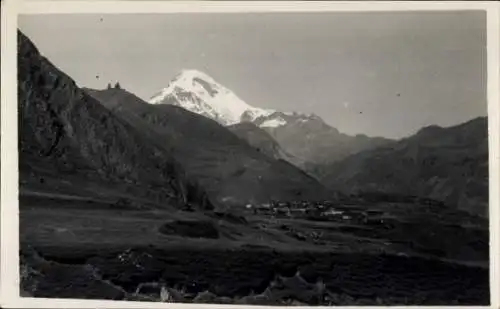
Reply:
x=298, y=210
x=332, y=212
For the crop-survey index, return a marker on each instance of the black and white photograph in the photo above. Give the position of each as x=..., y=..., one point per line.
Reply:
x=336, y=158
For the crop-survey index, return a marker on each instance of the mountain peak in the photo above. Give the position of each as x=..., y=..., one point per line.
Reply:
x=197, y=92
x=183, y=79
x=190, y=76
x=193, y=73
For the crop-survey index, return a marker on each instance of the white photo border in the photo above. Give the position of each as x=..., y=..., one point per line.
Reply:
x=9, y=271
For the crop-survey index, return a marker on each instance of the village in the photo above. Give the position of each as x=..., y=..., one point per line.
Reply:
x=319, y=211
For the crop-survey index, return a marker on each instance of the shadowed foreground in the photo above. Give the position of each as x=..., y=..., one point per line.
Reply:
x=89, y=251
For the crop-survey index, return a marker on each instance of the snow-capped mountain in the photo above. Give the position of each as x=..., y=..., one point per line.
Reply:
x=306, y=137
x=279, y=119
x=199, y=93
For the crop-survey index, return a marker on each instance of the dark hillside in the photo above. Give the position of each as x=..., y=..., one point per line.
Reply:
x=232, y=171
x=64, y=131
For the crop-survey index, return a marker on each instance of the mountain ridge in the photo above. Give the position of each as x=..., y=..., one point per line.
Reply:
x=306, y=137
x=263, y=142
x=64, y=131
x=221, y=161
x=447, y=164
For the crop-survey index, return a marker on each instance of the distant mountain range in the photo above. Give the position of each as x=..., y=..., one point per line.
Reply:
x=306, y=137
x=196, y=142
x=314, y=142
x=446, y=164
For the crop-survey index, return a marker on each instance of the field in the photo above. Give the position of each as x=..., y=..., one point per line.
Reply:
x=79, y=247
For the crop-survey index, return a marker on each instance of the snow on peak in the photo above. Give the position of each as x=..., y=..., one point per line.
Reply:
x=199, y=93
x=273, y=123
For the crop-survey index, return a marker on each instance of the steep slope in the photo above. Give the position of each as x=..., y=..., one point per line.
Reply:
x=232, y=171
x=447, y=164
x=307, y=138
x=263, y=142
x=65, y=135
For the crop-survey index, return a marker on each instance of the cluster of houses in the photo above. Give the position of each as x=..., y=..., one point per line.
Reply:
x=296, y=209
x=321, y=211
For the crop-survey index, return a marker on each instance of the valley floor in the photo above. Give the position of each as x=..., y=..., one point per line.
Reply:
x=88, y=248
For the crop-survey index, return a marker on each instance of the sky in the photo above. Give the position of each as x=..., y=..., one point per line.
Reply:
x=380, y=74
